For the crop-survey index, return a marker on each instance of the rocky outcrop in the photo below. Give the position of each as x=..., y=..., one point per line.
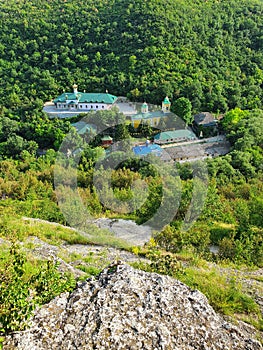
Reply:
x=126, y=230
x=126, y=308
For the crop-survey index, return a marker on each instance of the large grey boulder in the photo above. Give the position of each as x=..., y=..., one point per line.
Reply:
x=125, y=308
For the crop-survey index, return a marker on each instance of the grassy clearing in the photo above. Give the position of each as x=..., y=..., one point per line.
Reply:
x=225, y=295
x=221, y=286
x=92, y=264
x=256, y=278
x=16, y=228
x=13, y=227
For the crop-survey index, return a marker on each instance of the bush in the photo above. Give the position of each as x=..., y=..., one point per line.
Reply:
x=173, y=239
x=25, y=284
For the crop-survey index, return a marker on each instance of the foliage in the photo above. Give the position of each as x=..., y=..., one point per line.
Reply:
x=224, y=296
x=175, y=240
x=209, y=52
x=25, y=284
x=110, y=122
x=183, y=108
x=233, y=117
x=203, y=55
x=230, y=214
x=30, y=135
x=234, y=193
x=223, y=291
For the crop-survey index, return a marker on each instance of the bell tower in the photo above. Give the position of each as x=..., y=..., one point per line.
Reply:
x=144, y=108
x=166, y=105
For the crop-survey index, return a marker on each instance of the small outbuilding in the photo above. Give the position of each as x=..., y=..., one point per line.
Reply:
x=205, y=124
x=106, y=141
x=174, y=136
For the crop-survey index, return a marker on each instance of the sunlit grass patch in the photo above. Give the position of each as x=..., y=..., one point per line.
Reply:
x=13, y=227
x=222, y=288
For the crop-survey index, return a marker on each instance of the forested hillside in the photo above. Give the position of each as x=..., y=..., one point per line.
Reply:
x=208, y=51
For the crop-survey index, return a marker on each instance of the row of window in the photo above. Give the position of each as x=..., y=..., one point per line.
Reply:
x=80, y=106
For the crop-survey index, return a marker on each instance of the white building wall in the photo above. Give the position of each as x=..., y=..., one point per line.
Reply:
x=93, y=106
x=84, y=106
x=61, y=106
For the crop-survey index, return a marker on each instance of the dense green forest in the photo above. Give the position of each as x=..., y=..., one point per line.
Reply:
x=208, y=52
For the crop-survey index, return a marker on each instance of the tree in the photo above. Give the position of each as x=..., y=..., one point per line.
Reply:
x=8, y=127
x=233, y=117
x=121, y=132
x=183, y=108
x=242, y=162
x=144, y=129
x=15, y=144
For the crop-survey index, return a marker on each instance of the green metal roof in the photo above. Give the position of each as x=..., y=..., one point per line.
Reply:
x=149, y=115
x=106, y=138
x=83, y=127
x=84, y=97
x=166, y=101
x=175, y=134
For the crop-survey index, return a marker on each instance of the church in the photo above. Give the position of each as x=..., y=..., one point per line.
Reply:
x=151, y=118
x=82, y=101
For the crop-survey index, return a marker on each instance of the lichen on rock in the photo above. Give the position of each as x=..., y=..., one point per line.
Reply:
x=125, y=308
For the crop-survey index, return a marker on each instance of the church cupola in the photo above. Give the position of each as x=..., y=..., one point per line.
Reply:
x=166, y=105
x=144, y=108
x=75, y=88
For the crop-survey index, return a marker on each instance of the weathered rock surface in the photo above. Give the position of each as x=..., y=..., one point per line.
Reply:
x=126, y=308
x=127, y=230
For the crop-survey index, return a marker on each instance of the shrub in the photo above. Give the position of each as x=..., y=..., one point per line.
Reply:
x=25, y=284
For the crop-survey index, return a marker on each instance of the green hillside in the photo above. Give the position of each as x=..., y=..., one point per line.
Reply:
x=208, y=51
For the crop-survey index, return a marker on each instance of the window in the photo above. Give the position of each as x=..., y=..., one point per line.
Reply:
x=97, y=107
x=91, y=106
x=102, y=107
